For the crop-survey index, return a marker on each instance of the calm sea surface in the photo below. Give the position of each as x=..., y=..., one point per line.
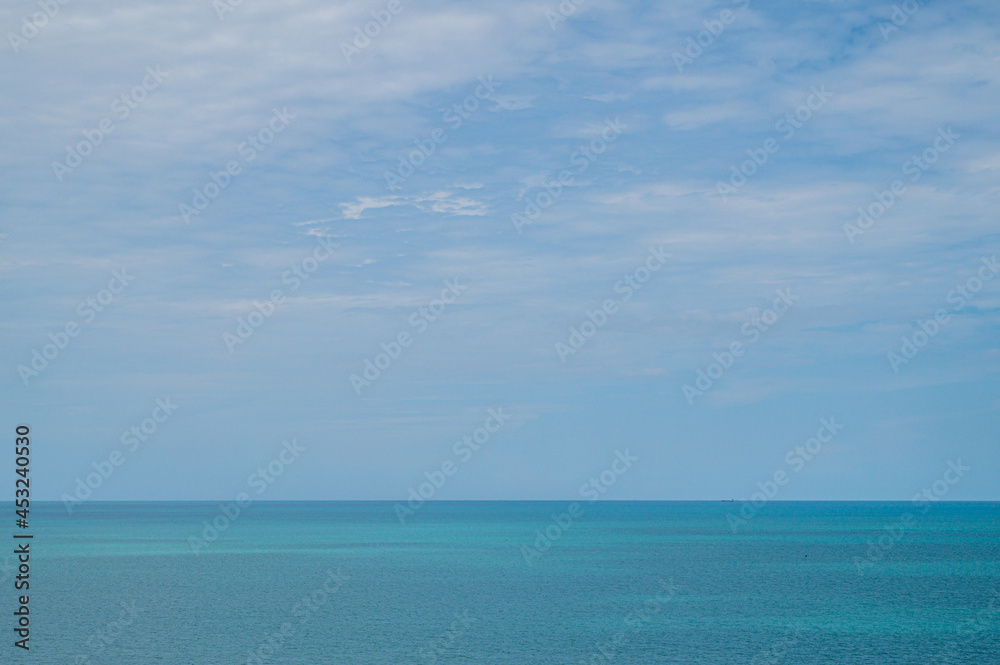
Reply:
x=508, y=583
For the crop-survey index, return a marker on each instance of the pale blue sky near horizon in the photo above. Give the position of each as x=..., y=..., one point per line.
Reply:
x=895, y=95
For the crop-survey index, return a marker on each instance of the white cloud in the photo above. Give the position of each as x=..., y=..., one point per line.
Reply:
x=442, y=202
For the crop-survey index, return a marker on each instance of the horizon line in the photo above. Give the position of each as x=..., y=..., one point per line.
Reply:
x=89, y=501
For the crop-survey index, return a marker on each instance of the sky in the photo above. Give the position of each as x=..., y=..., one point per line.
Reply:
x=730, y=240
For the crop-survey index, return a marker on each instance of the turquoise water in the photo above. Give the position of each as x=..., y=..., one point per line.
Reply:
x=622, y=582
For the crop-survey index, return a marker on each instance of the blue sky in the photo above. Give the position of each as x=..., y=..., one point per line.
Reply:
x=309, y=134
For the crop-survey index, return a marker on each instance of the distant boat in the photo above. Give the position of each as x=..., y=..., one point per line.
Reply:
x=728, y=500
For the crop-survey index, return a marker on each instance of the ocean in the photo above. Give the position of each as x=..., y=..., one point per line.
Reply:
x=511, y=583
